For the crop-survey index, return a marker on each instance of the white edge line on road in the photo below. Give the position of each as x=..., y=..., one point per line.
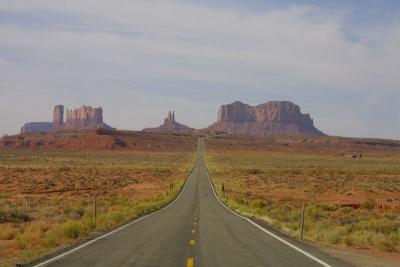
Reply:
x=265, y=230
x=118, y=229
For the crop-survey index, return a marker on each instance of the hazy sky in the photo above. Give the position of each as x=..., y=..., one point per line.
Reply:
x=338, y=60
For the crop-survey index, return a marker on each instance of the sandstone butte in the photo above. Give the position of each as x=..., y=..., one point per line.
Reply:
x=268, y=119
x=84, y=117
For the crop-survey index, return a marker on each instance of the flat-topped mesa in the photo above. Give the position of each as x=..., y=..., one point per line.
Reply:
x=170, y=125
x=271, y=118
x=36, y=127
x=84, y=117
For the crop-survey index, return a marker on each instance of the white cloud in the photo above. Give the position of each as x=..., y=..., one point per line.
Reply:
x=149, y=47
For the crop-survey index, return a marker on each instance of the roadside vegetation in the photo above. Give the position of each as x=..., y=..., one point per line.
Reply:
x=47, y=196
x=348, y=202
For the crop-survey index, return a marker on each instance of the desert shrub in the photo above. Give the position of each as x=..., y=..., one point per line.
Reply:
x=326, y=207
x=386, y=245
x=7, y=231
x=369, y=204
x=314, y=212
x=63, y=169
x=364, y=238
x=316, y=231
x=285, y=213
x=345, y=210
x=394, y=236
x=88, y=224
x=379, y=240
x=14, y=216
x=240, y=200
x=119, y=199
x=379, y=225
x=53, y=237
x=117, y=216
x=75, y=212
x=71, y=229
x=294, y=226
x=335, y=235
x=348, y=241
x=30, y=234
x=347, y=220
x=258, y=204
x=253, y=171
x=23, y=240
x=39, y=226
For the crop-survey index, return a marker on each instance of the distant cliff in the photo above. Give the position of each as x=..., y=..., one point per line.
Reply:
x=268, y=119
x=84, y=117
x=36, y=127
x=170, y=125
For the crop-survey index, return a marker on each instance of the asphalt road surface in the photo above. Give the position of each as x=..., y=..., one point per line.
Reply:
x=194, y=230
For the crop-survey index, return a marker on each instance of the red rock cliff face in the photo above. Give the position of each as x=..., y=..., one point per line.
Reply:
x=84, y=118
x=80, y=118
x=271, y=118
x=58, y=116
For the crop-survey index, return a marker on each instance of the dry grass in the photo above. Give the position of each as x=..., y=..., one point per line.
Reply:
x=349, y=202
x=46, y=198
x=7, y=231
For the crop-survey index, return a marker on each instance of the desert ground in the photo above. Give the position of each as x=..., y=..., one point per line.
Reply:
x=47, y=191
x=352, y=203
x=349, y=188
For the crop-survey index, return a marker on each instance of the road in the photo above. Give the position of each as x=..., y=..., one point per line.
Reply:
x=195, y=230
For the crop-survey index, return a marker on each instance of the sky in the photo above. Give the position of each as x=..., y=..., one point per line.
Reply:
x=338, y=60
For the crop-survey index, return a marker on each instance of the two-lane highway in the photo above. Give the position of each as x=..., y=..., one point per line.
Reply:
x=195, y=230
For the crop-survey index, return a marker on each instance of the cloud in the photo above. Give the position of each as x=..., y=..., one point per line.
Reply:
x=99, y=51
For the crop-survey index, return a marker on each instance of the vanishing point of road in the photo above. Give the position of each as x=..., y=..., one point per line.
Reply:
x=194, y=230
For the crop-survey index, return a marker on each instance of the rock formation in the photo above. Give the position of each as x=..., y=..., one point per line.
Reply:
x=85, y=118
x=170, y=125
x=36, y=127
x=58, y=116
x=81, y=118
x=268, y=119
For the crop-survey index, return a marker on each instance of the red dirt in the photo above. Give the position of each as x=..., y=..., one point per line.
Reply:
x=325, y=145
x=102, y=139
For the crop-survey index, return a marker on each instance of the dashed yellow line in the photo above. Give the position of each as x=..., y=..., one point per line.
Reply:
x=190, y=262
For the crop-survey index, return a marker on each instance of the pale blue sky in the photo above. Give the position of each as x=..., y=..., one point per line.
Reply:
x=339, y=60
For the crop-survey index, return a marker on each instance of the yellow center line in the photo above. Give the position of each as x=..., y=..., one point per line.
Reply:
x=190, y=262
x=193, y=231
x=192, y=242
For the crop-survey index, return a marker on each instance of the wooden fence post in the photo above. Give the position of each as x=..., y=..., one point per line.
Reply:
x=94, y=208
x=302, y=221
